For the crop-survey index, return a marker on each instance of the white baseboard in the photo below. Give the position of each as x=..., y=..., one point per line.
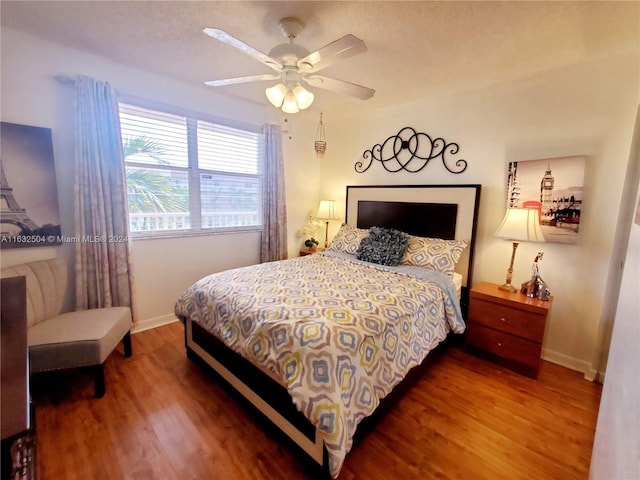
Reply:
x=154, y=322
x=574, y=364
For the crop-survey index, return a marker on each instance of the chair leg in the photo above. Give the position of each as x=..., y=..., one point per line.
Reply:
x=126, y=341
x=98, y=380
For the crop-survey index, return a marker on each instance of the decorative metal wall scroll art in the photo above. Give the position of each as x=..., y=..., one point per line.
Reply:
x=410, y=151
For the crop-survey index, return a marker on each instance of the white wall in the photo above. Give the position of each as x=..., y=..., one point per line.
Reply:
x=578, y=109
x=163, y=267
x=616, y=448
x=302, y=173
x=582, y=109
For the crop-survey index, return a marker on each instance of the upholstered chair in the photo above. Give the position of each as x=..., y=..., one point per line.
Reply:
x=68, y=340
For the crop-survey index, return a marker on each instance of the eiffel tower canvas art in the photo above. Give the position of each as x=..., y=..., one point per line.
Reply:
x=29, y=214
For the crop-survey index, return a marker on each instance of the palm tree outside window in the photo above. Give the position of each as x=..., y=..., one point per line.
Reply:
x=187, y=174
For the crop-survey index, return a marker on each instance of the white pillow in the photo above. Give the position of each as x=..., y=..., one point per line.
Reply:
x=347, y=239
x=434, y=253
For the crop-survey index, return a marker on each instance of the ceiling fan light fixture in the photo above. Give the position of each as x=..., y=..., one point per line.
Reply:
x=303, y=97
x=276, y=94
x=290, y=100
x=293, y=64
x=290, y=104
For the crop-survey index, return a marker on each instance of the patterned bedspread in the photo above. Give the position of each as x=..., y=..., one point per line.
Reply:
x=339, y=333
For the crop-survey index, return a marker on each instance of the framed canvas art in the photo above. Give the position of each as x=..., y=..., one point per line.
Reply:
x=29, y=214
x=555, y=187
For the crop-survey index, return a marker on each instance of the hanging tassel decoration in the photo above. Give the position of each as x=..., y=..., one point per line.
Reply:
x=321, y=141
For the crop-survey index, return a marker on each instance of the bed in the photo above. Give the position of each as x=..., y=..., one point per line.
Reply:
x=317, y=342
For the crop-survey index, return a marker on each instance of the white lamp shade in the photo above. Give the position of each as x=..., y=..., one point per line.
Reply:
x=276, y=94
x=521, y=224
x=304, y=97
x=291, y=100
x=290, y=104
x=327, y=210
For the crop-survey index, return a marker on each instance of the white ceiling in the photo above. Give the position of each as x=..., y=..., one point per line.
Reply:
x=413, y=47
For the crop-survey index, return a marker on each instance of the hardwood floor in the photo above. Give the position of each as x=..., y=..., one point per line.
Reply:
x=164, y=418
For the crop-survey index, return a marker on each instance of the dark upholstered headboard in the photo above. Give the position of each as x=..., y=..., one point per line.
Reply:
x=435, y=220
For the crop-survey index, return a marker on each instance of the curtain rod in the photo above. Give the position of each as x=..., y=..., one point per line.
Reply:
x=64, y=79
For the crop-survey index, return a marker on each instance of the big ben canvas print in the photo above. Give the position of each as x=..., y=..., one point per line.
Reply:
x=554, y=186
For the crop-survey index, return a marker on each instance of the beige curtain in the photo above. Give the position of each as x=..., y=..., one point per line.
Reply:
x=274, y=216
x=104, y=276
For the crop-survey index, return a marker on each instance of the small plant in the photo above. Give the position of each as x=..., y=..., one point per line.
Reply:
x=311, y=226
x=311, y=243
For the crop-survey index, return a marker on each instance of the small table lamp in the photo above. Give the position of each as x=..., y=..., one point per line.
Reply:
x=519, y=225
x=326, y=212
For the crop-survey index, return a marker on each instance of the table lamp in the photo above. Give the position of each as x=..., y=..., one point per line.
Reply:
x=327, y=212
x=519, y=225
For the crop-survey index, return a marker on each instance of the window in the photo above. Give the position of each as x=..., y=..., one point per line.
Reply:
x=188, y=174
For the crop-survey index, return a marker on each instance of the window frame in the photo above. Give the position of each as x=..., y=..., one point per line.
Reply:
x=194, y=172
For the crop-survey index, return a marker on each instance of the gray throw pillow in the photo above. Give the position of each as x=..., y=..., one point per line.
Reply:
x=384, y=246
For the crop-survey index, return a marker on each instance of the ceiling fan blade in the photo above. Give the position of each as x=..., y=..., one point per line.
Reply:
x=344, y=47
x=224, y=37
x=250, y=78
x=339, y=86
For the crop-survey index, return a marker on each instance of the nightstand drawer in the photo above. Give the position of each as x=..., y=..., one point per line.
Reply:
x=307, y=251
x=507, y=319
x=504, y=345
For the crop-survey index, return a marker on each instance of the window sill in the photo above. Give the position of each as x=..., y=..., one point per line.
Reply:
x=158, y=235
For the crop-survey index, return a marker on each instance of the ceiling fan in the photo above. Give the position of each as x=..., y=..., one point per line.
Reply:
x=296, y=66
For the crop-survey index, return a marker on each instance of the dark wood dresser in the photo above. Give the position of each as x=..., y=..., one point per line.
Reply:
x=507, y=328
x=18, y=460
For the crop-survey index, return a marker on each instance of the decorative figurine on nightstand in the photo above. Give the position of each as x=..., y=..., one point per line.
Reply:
x=536, y=287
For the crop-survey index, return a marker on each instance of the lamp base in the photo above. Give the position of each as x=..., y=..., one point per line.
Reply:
x=326, y=235
x=507, y=287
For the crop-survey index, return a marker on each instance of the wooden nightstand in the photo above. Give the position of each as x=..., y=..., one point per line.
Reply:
x=307, y=251
x=507, y=328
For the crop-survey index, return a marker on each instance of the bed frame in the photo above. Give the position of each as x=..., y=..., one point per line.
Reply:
x=440, y=211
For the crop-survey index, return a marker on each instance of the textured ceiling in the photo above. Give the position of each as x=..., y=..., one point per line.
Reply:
x=413, y=47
